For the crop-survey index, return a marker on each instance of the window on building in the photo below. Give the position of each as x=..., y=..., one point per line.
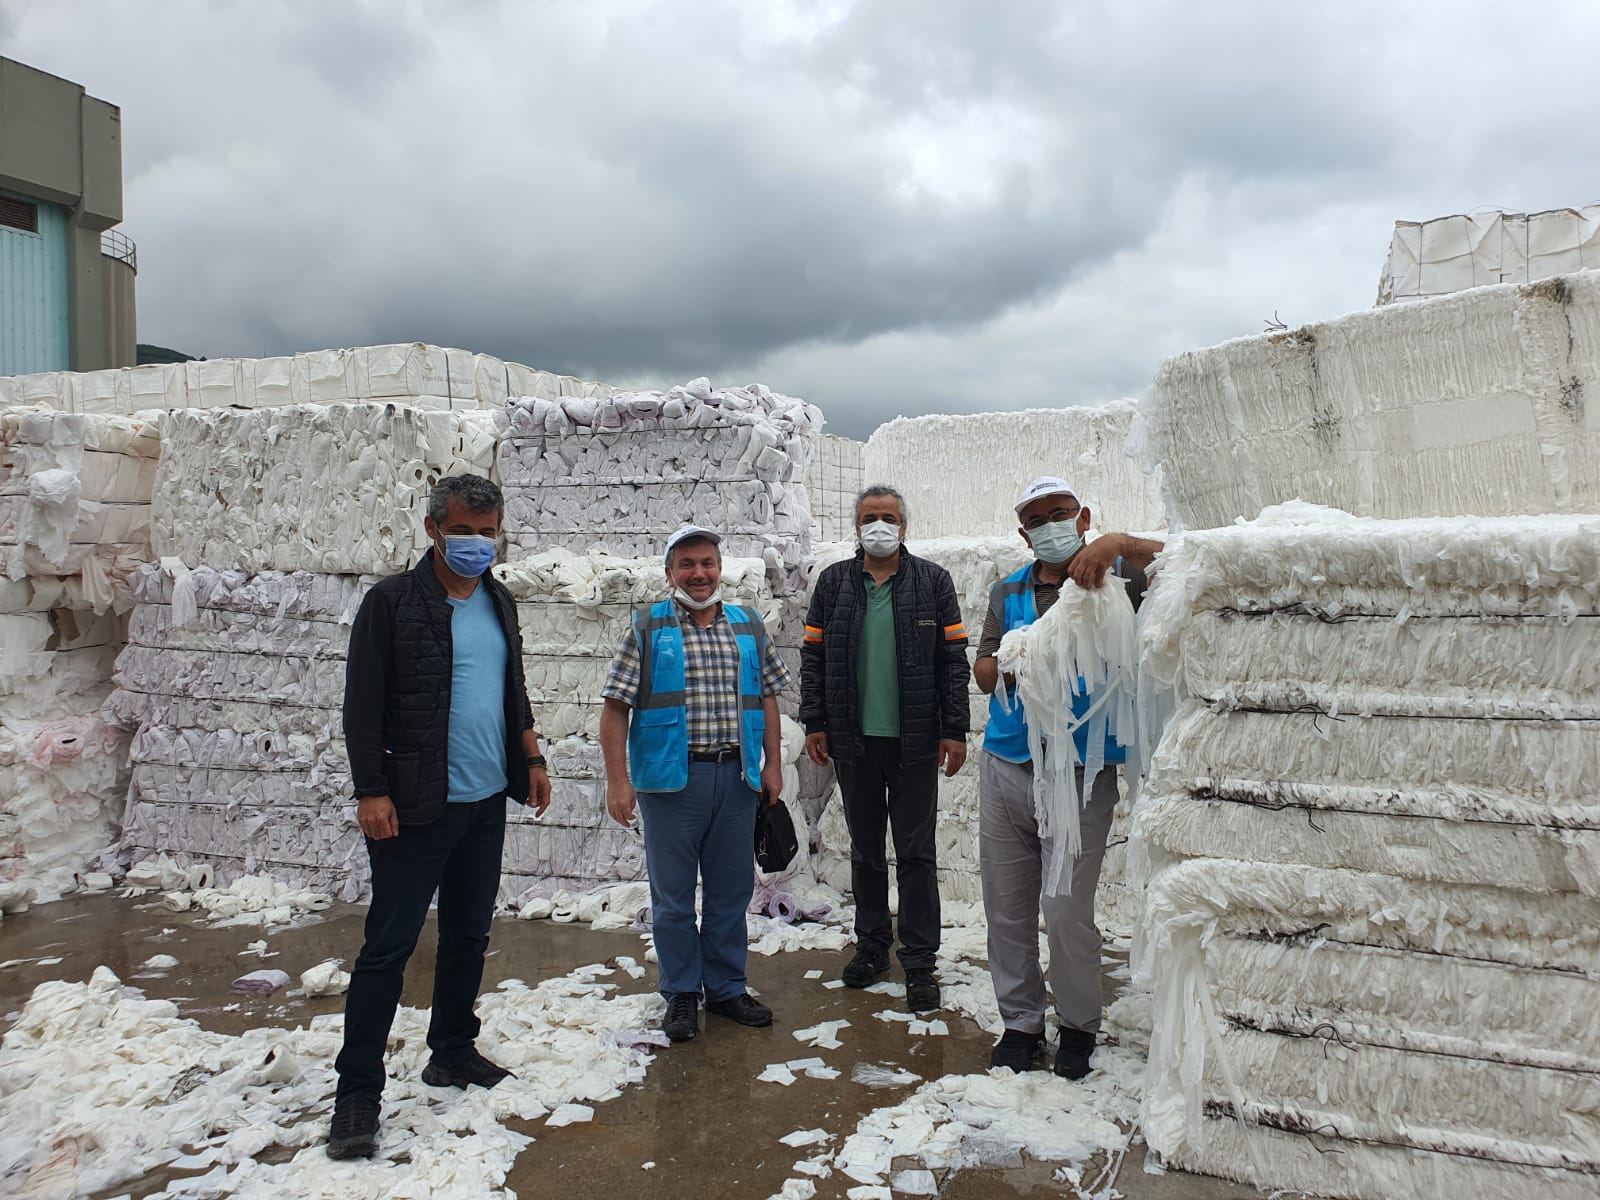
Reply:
x=19, y=214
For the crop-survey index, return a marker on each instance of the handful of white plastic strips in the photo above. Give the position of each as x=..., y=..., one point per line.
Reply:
x=1084, y=646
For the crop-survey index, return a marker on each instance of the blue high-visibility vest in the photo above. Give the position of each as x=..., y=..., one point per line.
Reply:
x=1006, y=735
x=658, y=736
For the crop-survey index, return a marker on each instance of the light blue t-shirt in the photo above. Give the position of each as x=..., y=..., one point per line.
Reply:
x=477, y=700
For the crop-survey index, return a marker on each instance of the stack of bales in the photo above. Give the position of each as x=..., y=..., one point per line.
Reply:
x=619, y=472
x=1371, y=917
x=269, y=525
x=74, y=521
x=608, y=476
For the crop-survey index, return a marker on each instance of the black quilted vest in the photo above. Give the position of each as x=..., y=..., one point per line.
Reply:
x=397, y=694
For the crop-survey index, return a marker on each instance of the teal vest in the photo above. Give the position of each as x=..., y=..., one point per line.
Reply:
x=1006, y=735
x=658, y=737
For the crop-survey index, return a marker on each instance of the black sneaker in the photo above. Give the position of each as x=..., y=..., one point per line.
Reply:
x=743, y=1008
x=867, y=965
x=682, y=1021
x=354, y=1133
x=1073, y=1053
x=473, y=1069
x=1017, y=1051
x=922, y=990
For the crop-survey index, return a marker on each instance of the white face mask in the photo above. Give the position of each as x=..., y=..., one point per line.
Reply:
x=1056, y=542
x=688, y=601
x=880, y=539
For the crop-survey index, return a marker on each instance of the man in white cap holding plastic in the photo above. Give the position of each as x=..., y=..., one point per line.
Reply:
x=698, y=679
x=1011, y=854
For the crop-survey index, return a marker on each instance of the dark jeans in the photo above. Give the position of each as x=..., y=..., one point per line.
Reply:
x=879, y=794
x=459, y=857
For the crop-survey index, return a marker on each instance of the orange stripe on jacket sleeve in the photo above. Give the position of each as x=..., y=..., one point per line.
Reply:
x=813, y=633
x=954, y=632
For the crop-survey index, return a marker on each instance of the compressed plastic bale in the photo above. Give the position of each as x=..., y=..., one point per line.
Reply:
x=639, y=465
x=415, y=369
x=75, y=495
x=157, y=387
x=1480, y=249
x=215, y=383
x=961, y=474
x=270, y=382
x=324, y=488
x=1465, y=404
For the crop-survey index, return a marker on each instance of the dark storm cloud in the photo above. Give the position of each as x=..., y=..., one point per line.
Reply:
x=886, y=207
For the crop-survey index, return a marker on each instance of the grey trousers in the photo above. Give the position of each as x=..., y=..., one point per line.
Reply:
x=1012, y=858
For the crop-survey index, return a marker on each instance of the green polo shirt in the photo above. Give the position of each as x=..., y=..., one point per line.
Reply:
x=878, y=680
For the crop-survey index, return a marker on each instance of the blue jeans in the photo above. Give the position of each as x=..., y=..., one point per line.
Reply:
x=459, y=857
x=704, y=833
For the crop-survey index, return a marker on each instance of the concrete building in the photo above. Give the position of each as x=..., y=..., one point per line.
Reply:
x=66, y=277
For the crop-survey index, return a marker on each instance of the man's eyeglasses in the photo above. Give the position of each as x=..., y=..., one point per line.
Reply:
x=1059, y=515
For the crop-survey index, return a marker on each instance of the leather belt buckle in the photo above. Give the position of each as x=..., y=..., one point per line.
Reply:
x=725, y=754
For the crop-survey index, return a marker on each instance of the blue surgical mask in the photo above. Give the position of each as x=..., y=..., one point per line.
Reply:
x=468, y=554
x=1056, y=542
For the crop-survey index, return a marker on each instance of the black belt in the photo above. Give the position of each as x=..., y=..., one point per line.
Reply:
x=726, y=754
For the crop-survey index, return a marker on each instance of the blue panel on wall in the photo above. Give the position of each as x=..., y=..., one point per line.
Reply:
x=34, y=296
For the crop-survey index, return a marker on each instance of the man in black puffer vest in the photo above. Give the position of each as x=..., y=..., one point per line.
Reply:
x=883, y=695
x=440, y=735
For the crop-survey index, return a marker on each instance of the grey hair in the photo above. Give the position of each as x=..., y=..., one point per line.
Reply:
x=882, y=489
x=480, y=495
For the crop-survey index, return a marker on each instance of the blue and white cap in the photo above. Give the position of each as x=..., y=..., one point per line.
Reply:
x=691, y=531
x=1045, y=485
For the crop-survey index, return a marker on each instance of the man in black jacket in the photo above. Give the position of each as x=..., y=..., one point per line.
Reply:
x=439, y=734
x=883, y=695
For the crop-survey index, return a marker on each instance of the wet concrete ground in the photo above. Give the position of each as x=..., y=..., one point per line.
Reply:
x=700, y=1115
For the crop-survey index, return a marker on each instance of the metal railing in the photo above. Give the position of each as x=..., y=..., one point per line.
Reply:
x=118, y=245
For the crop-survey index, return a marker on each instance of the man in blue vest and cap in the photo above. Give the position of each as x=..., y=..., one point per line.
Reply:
x=697, y=680
x=1011, y=854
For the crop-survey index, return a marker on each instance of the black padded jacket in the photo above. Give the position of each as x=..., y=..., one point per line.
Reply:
x=930, y=644
x=397, y=694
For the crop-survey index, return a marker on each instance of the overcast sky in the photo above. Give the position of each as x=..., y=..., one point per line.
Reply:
x=888, y=208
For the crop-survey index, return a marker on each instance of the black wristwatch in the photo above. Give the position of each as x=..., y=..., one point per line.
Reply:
x=536, y=761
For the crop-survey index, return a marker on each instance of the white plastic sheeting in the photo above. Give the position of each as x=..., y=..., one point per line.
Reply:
x=619, y=473
x=961, y=475
x=99, y=1085
x=1083, y=649
x=63, y=769
x=1370, y=924
x=332, y=488
x=1452, y=254
x=1478, y=402
x=421, y=375
x=75, y=496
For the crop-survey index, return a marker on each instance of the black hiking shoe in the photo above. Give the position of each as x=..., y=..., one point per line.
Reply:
x=1073, y=1053
x=474, y=1068
x=866, y=966
x=354, y=1133
x=1017, y=1051
x=922, y=990
x=682, y=1021
x=743, y=1008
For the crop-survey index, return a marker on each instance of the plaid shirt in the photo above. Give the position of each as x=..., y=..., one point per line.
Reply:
x=710, y=679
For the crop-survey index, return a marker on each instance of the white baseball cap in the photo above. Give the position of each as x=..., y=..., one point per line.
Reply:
x=1045, y=485
x=692, y=531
